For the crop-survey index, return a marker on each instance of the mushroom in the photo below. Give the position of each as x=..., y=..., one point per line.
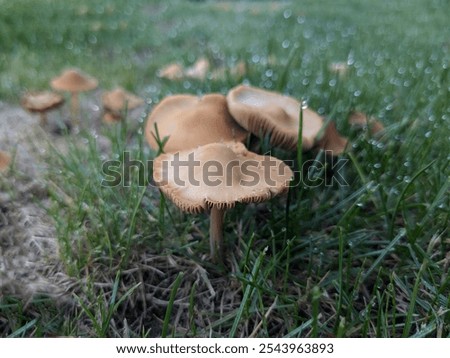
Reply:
x=5, y=160
x=74, y=81
x=198, y=70
x=359, y=119
x=215, y=177
x=116, y=101
x=41, y=102
x=269, y=113
x=332, y=142
x=340, y=68
x=190, y=121
x=172, y=71
x=221, y=73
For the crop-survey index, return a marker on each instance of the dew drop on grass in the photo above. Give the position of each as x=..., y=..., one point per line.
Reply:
x=407, y=179
x=300, y=19
x=357, y=93
x=286, y=43
x=304, y=104
x=256, y=58
x=287, y=13
x=377, y=165
x=332, y=83
x=428, y=134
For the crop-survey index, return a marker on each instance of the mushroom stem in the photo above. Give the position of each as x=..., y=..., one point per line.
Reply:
x=43, y=118
x=75, y=108
x=216, y=234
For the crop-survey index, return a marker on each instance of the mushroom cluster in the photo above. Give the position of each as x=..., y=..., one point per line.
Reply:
x=206, y=134
x=74, y=81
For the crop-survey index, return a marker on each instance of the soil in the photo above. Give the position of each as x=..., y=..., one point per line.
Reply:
x=29, y=259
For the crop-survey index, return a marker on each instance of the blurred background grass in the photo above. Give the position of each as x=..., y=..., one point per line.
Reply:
x=364, y=260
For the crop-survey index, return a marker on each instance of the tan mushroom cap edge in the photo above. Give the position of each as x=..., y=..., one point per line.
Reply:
x=191, y=121
x=41, y=101
x=74, y=80
x=116, y=100
x=265, y=112
x=224, y=188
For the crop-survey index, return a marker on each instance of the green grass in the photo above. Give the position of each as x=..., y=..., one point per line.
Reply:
x=365, y=260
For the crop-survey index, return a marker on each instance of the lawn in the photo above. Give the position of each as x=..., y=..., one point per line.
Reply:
x=366, y=259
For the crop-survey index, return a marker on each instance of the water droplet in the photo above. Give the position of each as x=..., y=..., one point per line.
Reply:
x=287, y=13
x=357, y=93
x=269, y=73
x=407, y=179
x=428, y=134
x=304, y=104
x=332, y=83
x=377, y=165
x=407, y=164
x=256, y=58
x=285, y=43
x=300, y=20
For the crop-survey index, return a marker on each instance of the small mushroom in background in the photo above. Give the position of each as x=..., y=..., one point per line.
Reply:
x=74, y=81
x=361, y=120
x=5, y=161
x=331, y=141
x=110, y=117
x=41, y=102
x=215, y=177
x=264, y=112
x=221, y=73
x=115, y=102
x=340, y=68
x=198, y=70
x=172, y=71
x=190, y=121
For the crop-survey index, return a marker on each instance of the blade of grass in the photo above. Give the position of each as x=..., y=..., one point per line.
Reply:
x=412, y=303
x=246, y=297
x=169, y=308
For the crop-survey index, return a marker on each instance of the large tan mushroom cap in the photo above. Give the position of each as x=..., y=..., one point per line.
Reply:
x=264, y=112
x=225, y=174
x=41, y=101
x=117, y=99
x=191, y=121
x=74, y=80
x=5, y=160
